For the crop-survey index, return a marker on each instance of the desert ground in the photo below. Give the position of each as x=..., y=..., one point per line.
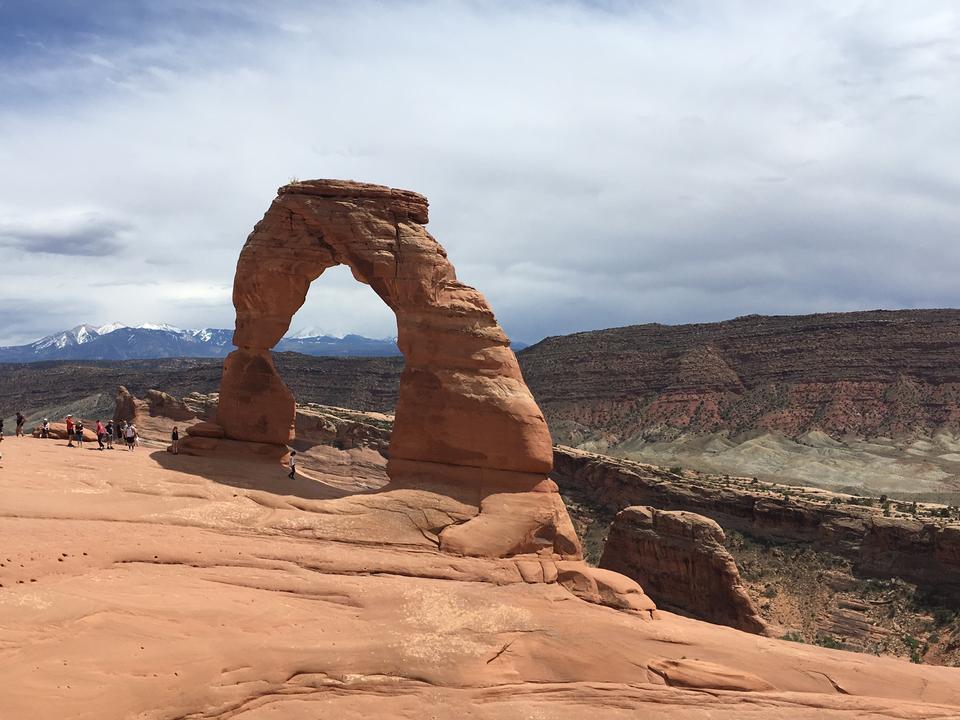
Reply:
x=147, y=585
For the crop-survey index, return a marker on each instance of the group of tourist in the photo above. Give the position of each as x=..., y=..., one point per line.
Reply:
x=123, y=433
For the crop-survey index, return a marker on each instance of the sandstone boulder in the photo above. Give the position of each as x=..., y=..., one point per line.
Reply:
x=679, y=559
x=58, y=431
x=162, y=404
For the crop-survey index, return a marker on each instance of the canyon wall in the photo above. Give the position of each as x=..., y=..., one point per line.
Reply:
x=921, y=551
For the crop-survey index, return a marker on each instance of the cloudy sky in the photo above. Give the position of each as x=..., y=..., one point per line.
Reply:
x=589, y=164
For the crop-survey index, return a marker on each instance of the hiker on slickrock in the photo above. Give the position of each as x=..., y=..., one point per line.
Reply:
x=69, y=430
x=20, y=421
x=101, y=434
x=130, y=433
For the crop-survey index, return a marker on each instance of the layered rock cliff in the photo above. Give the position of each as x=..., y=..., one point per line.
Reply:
x=863, y=373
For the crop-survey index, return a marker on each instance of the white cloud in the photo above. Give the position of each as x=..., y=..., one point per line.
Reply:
x=587, y=166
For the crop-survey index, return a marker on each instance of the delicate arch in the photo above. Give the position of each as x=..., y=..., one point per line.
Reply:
x=464, y=413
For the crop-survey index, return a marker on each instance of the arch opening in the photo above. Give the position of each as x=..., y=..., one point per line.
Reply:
x=338, y=306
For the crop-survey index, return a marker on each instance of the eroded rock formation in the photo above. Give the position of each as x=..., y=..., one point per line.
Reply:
x=463, y=403
x=466, y=426
x=679, y=559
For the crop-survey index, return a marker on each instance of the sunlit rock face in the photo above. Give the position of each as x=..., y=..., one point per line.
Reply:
x=462, y=401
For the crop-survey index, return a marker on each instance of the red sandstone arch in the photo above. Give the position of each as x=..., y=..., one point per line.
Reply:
x=464, y=413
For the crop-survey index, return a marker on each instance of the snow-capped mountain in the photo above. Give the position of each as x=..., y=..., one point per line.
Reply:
x=122, y=342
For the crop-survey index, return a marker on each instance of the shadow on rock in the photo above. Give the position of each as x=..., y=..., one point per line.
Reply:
x=239, y=474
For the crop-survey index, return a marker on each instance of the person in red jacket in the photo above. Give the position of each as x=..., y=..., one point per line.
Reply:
x=101, y=432
x=69, y=430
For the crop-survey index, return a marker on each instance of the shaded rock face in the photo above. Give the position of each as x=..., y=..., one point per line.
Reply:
x=125, y=406
x=679, y=559
x=462, y=401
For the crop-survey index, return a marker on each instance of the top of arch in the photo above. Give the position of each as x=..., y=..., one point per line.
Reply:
x=403, y=202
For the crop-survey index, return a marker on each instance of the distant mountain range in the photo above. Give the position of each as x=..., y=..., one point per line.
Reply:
x=150, y=341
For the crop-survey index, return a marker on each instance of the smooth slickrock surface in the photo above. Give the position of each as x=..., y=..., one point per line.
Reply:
x=159, y=587
x=679, y=559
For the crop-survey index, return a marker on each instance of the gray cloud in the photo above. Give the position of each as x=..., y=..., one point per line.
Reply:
x=86, y=234
x=588, y=164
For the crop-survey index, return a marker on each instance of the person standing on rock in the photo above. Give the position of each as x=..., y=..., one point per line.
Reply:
x=109, y=430
x=45, y=428
x=175, y=441
x=101, y=432
x=69, y=430
x=130, y=433
x=293, y=464
x=20, y=421
x=78, y=429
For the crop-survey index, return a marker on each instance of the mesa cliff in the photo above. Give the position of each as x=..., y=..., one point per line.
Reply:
x=887, y=373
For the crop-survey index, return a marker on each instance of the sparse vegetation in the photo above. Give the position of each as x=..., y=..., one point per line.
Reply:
x=828, y=641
